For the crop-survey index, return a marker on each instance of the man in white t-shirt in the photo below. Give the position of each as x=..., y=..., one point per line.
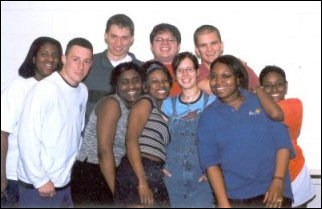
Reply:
x=50, y=130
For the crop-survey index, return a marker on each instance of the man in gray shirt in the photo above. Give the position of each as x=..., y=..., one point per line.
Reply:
x=119, y=37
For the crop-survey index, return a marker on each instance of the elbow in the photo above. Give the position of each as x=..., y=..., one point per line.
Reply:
x=277, y=116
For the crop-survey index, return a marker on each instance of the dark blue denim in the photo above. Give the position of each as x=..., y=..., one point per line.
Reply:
x=126, y=192
x=11, y=199
x=183, y=163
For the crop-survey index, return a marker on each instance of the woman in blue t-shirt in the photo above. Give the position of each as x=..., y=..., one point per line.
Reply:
x=244, y=153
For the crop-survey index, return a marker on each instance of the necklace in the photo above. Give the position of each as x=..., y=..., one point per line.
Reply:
x=190, y=99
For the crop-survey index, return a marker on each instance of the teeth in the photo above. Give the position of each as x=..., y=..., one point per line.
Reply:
x=161, y=91
x=132, y=93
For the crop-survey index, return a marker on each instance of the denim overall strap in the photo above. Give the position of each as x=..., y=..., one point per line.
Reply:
x=183, y=162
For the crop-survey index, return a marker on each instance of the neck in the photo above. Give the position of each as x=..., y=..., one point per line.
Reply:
x=234, y=101
x=190, y=95
x=203, y=62
x=114, y=58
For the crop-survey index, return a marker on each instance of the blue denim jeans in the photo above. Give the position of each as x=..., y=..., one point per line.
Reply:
x=11, y=199
x=183, y=163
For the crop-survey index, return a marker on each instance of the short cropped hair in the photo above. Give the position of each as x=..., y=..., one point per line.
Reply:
x=165, y=27
x=203, y=29
x=79, y=42
x=122, y=21
x=269, y=69
x=181, y=56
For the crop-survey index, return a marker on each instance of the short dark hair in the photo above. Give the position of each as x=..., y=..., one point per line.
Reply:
x=79, y=42
x=236, y=66
x=121, y=68
x=205, y=28
x=165, y=27
x=269, y=69
x=122, y=21
x=153, y=65
x=27, y=68
x=181, y=56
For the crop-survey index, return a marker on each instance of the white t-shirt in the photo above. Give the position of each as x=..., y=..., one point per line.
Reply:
x=50, y=131
x=12, y=104
x=127, y=58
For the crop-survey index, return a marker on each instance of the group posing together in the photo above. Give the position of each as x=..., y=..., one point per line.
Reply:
x=108, y=130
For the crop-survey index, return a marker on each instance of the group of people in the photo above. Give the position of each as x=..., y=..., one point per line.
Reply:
x=109, y=130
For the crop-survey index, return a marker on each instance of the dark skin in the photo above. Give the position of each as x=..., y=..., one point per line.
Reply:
x=157, y=86
x=46, y=61
x=225, y=85
x=129, y=88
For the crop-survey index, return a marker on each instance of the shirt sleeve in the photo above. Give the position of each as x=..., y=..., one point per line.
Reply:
x=30, y=135
x=167, y=106
x=281, y=137
x=207, y=146
x=11, y=106
x=293, y=113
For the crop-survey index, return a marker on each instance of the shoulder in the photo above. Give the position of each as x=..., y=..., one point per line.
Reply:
x=135, y=60
x=108, y=104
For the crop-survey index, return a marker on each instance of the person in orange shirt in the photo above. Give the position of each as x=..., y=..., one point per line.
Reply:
x=273, y=81
x=165, y=42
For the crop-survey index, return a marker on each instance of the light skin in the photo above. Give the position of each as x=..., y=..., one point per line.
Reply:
x=165, y=47
x=225, y=85
x=129, y=88
x=46, y=61
x=208, y=48
x=119, y=41
x=157, y=86
x=186, y=76
x=77, y=64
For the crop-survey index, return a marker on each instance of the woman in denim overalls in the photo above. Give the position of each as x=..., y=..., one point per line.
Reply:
x=186, y=184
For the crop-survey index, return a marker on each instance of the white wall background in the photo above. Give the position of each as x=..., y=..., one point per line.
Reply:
x=287, y=34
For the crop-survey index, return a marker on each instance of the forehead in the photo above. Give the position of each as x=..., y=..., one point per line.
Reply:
x=80, y=51
x=221, y=68
x=273, y=76
x=207, y=35
x=119, y=30
x=164, y=33
x=48, y=46
x=129, y=74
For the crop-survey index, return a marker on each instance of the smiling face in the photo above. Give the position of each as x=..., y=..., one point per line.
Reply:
x=275, y=85
x=46, y=60
x=158, y=85
x=165, y=47
x=223, y=83
x=76, y=64
x=209, y=47
x=186, y=74
x=129, y=86
x=119, y=41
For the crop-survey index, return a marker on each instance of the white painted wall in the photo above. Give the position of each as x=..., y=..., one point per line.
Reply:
x=287, y=34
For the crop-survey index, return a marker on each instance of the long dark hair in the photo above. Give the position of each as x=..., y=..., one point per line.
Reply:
x=27, y=69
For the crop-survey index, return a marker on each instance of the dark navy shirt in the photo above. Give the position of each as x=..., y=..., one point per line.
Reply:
x=244, y=144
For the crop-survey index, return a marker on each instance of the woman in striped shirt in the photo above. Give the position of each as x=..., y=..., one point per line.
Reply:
x=139, y=180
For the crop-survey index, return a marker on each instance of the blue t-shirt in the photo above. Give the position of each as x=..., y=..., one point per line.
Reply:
x=244, y=144
x=184, y=109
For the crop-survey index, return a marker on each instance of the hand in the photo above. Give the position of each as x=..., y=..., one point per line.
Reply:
x=203, y=178
x=166, y=173
x=4, y=187
x=146, y=195
x=274, y=195
x=47, y=190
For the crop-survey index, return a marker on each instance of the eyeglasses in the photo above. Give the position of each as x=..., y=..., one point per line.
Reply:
x=278, y=85
x=167, y=40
